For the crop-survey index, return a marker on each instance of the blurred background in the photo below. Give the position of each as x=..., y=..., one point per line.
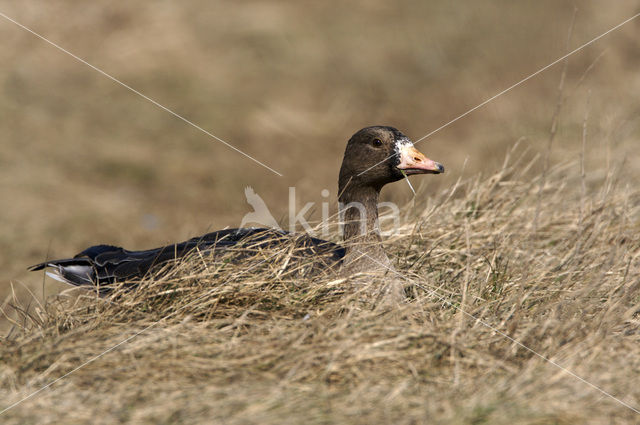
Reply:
x=85, y=161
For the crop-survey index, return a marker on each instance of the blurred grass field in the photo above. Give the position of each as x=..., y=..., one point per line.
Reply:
x=85, y=161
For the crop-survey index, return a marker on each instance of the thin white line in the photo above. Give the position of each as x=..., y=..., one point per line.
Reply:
x=140, y=94
x=443, y=299
x=91, y=360
x=513, y=86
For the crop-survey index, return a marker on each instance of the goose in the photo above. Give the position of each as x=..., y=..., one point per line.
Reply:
x=374, y=156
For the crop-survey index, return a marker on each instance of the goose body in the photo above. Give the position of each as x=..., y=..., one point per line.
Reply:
x=374, y=156
x=102, y=265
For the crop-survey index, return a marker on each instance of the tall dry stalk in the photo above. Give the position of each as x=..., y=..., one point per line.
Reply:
x=554, y=120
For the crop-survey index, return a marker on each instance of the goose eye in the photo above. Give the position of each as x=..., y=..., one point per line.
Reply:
x=377, y=142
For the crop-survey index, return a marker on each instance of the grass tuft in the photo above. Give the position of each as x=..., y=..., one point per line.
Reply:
x=251, y=342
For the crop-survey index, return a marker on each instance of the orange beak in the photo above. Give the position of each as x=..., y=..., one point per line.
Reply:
x=412, y=161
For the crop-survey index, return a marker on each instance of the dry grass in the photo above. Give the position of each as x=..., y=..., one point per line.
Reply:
x=213, y=341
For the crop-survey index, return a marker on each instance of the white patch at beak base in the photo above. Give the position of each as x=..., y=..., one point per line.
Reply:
x=414, y=161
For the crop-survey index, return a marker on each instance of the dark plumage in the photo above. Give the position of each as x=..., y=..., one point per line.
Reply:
x=106, y=264
x=374, y=156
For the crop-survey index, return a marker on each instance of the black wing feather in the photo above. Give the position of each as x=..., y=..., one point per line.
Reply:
x=106, y=264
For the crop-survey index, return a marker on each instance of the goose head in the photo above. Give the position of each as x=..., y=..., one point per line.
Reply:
x=378, y=155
